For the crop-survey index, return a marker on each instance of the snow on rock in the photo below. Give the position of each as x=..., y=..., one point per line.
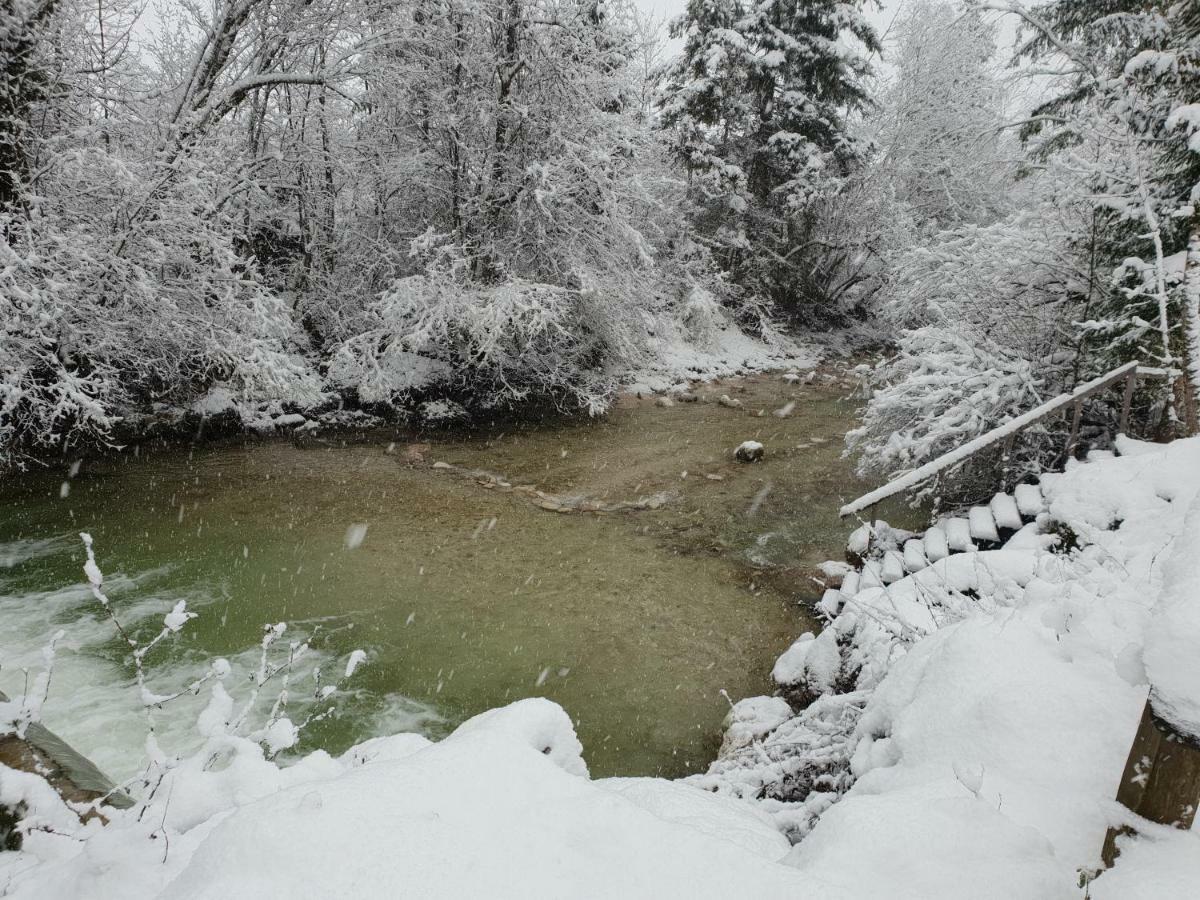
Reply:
x=748, y=452
x=835, y=569
x=850, y=584
x=750, y=719
x=1029, y=499
x=935, y=544
x=958, y=534
x=1005, y=512
x=914, y=555
x=859, y=541
x=982, y=525
x=812, y=663
x=892, y=566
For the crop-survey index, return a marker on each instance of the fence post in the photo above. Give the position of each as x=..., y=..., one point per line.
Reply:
x=1075, y=419
x=1127, y=401
x=1161, y=781
x=1005, y=461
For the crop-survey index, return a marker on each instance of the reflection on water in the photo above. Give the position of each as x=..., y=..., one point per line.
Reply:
x=464, y=597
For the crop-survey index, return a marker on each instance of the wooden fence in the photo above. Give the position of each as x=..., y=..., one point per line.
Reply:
x=1004, y=435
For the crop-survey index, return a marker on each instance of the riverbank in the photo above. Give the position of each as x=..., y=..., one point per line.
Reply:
x=968, y=723
x=675, y=359
x=991, y=717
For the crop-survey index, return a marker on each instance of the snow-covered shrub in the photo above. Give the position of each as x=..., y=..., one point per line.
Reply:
x=983, y=317
x=485, y=346
x=44, y=395
x=940, y=390
x=150, y=305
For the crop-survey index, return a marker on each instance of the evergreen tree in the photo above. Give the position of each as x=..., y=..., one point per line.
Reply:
x=1118, y=119
x=758, y=105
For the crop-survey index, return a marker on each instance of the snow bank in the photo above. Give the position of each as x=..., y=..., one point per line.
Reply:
x=501, y=808
x=989, y=700
x=705, y=343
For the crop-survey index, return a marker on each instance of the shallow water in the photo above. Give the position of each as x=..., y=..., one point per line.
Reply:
x=642, y=624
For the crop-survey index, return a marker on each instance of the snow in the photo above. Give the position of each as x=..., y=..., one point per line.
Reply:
x=812, y=661
x=357, y=658
x=983, y=526
x=704, y=343
x=485, y=812
x=1028, y=498
x=749, y=451
x=978, y=749
x=1162, y=865
x=958, y=534
x=1005, y=512
x=914, y=555
x=178, y=617
x=1173, y=635
x=892, y=566
x=935, y=544
x=355, y=535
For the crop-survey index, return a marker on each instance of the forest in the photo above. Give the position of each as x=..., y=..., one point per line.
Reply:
x=374, y=205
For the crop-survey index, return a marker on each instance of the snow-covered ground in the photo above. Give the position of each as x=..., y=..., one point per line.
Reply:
x=704, y=343
x=974, y=718
x=972, y=724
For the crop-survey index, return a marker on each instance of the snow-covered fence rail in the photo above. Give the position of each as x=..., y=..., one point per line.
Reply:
x=1006, y=433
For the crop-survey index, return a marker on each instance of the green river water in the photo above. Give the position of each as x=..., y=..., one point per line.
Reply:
x=643, y=624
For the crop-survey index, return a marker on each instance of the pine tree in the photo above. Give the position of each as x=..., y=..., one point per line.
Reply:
x=758, y=105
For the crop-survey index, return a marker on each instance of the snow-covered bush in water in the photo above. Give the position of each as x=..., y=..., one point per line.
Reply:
x=485, y=346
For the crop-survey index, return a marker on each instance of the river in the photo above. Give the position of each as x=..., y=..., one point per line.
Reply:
x=644, y=623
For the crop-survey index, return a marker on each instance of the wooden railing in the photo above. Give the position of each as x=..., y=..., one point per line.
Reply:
x=1005, y=434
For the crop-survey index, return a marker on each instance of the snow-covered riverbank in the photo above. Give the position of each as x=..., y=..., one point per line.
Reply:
x=972, y=720
x=973, y=725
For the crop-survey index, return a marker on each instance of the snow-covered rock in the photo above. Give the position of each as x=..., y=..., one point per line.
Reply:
x=748, y=452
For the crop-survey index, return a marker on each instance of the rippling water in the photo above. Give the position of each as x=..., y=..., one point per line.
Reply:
x=639, y=623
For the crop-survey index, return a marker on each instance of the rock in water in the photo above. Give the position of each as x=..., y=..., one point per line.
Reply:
x=726, y=400
x=748, y=452
x=665, y=402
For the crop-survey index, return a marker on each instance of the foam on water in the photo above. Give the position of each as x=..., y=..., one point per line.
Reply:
x=94, y=702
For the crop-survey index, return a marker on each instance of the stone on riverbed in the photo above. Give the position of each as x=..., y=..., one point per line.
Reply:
x=748, y=452
x=726, y=400
x=665, y=402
